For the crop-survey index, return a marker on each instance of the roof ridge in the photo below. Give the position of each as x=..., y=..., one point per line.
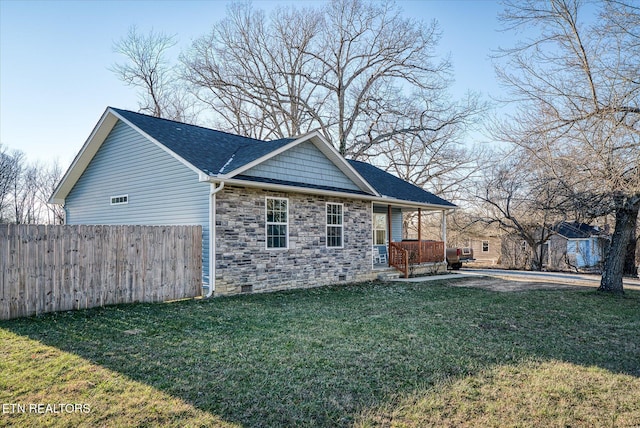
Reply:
x=189, y=124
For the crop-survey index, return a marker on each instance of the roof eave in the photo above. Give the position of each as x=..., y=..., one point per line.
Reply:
x=81, y=161
x=306, y=190
x=281, y=187
x=413, y=204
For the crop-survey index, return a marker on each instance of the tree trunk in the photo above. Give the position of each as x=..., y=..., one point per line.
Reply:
x=626, y=215
x=630, y=266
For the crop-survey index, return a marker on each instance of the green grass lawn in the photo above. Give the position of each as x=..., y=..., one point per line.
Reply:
x=374, y=354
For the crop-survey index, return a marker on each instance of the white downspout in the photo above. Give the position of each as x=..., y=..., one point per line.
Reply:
x=212, y=237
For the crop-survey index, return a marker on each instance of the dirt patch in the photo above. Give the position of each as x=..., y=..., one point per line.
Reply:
x=497, y=284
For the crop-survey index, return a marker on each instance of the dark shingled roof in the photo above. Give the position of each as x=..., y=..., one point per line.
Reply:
x=213, y=152
x=575, y=230
x=217, y=152
x=389, y=185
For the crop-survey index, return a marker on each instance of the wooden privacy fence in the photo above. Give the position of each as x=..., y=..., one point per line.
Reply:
x=48, y=268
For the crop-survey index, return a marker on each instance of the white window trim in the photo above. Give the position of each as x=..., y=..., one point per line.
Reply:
x=118, y=197
x=488, y=248
x=267, y=223
x=386, y=232
x=341, y=225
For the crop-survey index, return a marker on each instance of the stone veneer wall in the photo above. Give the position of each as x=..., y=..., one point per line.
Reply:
x=244, y=264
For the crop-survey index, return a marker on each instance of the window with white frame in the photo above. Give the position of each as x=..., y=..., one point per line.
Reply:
x=379, y=229
x=277, y=224
x=120, y=200
x=485, y=246
x=334, y=225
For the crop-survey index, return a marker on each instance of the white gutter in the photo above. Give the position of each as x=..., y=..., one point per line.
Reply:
x=308, y=190
x=212, y=237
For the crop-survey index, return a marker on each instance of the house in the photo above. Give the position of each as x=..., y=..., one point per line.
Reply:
x=484, y=240
x=577, y=247
x=568, y=246
x=276, y=214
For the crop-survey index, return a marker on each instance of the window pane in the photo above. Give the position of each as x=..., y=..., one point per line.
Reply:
x=334, y=214
x=334, y=236
x=276, y=236
x=276, y=211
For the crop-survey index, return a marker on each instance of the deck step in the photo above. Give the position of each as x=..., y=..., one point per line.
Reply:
x=388, y=275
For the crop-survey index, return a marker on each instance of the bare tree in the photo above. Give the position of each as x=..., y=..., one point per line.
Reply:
x=519, y=200
x=577, y=91
x=25, y=208
x=370, y=60
x=10, y=166
x=436, y=158
x=25, y=189
x=148, y=69
x=250, y=71
x=48, y=178
x=367, y=77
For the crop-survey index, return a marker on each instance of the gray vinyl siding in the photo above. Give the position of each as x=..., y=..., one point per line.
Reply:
x=161, y=190
x=303, y=163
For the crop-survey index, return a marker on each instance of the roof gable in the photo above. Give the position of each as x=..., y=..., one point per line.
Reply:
x=305, y=164
x=99, y=133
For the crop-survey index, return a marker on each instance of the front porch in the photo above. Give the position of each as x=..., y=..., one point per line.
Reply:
x=416, y=257
x=398, y=243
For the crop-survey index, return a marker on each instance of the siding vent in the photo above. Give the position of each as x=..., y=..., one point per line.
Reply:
x=342, y=277
x=247, y=289
x=120, y=200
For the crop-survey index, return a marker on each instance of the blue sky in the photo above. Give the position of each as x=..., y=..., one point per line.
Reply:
x=54, y=59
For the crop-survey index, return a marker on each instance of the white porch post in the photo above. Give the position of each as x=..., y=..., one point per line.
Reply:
x=419, y=235
x=389, y=231
x=444, y=233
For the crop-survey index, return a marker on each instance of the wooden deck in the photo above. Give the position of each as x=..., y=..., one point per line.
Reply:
x=403, y=255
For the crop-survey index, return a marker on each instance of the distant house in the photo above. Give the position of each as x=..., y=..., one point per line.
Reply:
x=275, y=214
x=486, y=248
x=570, y=246
x=576, y=246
